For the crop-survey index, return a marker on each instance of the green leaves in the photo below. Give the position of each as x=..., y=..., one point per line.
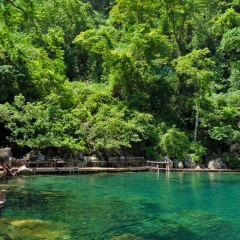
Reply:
x=230, y=47
x=222, y=133
x=95, y=122
x=222, y=123
x=230, y=43
x=38, y=125
x=175, y=144
x=84, y=80
x=127, y=12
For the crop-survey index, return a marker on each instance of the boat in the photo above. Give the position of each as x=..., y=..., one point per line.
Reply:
x=2, y=198
x=23, y=170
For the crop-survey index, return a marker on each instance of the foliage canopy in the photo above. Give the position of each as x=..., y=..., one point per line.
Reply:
x=136, y=75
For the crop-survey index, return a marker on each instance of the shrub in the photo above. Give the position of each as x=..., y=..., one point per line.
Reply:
x=175, y=144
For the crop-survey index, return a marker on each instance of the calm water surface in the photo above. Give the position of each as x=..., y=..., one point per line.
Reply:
x=122, y=206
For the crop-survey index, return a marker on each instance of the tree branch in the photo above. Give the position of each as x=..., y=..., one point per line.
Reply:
x=25, y=13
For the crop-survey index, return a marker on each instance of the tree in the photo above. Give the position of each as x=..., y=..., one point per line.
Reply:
x=222, y=122
x=179, y=21
x=175, y=144
x=126, y=12
x=230, y=47
x=194, y=72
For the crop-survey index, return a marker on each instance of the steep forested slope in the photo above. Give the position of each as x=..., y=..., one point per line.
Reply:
x=154, y=77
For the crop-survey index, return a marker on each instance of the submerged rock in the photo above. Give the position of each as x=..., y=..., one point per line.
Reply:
x=186, y=225
x=32, y=230
x=126, y=237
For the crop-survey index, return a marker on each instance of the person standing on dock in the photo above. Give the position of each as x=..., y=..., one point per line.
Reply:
x=167, y=164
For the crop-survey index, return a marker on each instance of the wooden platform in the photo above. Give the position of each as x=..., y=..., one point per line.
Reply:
x=193, y=170
x=77, y=170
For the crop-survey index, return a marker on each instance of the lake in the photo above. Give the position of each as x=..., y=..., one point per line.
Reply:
x=119, y=206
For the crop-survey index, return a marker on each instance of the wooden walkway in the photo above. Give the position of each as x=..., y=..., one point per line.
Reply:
x=77, y=170
x=193, y=170
x=85, y=170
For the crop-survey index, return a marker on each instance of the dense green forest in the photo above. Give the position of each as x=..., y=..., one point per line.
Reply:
x=152, y=77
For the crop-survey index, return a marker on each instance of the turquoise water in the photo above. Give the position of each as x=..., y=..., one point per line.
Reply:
x=118, y=206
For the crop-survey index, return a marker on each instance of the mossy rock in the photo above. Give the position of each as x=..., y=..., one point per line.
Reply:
x=126, y=237
x=26, y=229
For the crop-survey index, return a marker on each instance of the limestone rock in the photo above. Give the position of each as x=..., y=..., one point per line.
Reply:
x=198, y=167
x=235, y=147
x=180, y=165
x=126, y=237
x=169, y=160
x=13, y=228
x=175, y=163
x=210, y=158
x=202, y=166
x=217, y=164
x=189, y=163
x=5, y=154
x=90, y=159
x=41, y=157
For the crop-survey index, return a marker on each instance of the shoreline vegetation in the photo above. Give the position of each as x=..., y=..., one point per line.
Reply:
x=40, y=165
x=121, y=78
x=95, y=170
x=36, y=163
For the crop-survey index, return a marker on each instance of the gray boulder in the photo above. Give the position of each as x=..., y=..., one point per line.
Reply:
x=202, y=166
x=41, y=157
x=175, y=163
x=5, y=154
x=217, y=164
x=163, y=159
x=189, y=163
x=169, y=160
x=34, y=156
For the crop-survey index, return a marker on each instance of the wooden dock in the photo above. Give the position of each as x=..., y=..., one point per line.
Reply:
x=193, y=170
x=78, y=170
x=86, y=170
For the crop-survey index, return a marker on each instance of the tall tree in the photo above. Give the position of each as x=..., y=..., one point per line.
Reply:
x=194, y=76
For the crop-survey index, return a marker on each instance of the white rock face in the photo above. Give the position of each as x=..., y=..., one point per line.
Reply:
x=90, y=159
x=217, y=164
x=197, y=167
x=180, y=165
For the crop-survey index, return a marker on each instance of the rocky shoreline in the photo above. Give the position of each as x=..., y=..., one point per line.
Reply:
x=216, y=162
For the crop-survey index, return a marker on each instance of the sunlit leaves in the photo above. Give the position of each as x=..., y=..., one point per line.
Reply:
x=175, y=144
x=40, y=125
x=127, y=12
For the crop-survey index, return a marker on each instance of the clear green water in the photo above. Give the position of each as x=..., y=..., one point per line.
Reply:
x=122, y=206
